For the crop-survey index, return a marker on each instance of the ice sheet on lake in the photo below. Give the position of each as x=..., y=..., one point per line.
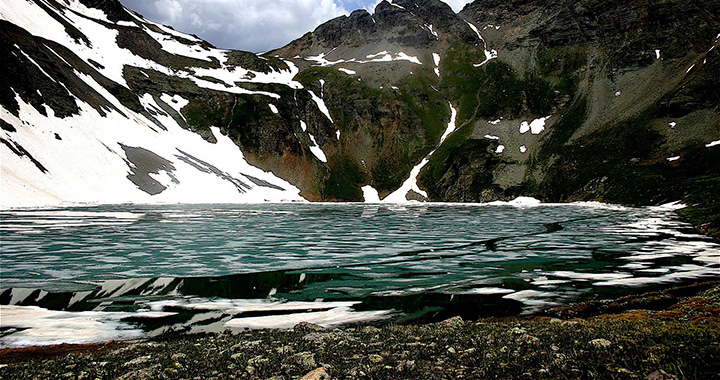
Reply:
x=40, y=326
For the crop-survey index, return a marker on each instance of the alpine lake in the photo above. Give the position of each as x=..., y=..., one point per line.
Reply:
x=92, y=274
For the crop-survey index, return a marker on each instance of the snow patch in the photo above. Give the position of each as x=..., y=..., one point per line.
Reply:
x=370, y=195
x=315, y=149
x=712, y=144
x=321, y=105
x=535, y=127
x=432, y=31
x=347, y=71
x=451, y=125
x=489, y=54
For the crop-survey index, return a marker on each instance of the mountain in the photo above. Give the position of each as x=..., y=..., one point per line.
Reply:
x=577, y=100
x=102, y=106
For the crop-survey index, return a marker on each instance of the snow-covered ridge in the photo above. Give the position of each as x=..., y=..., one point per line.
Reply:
x=102, y=46
x=110, y=153
x=91, y=159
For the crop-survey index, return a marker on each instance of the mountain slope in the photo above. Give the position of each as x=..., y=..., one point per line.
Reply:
x=100, y=105
x=588, y=100
x=585, y=100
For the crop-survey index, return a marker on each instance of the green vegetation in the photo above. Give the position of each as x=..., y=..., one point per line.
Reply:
x=345, y=179
x=561, y=65
x=403, y=126
x=416, y=91
x=462, y=163
x=494, y=89
x=624, y=163
x=563, y=130
x=706, y=217
x=201, y=116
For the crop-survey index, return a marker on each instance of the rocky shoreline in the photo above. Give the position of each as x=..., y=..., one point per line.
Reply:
x=668, y=334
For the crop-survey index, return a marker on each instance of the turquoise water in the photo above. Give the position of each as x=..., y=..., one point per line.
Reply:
x=149, y=269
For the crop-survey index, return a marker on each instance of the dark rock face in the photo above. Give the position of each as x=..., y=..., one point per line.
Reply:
x=112, y=8
x=389, y=23
x=441, y=16
x=620, y=158
x=142, y=162
x=629, y=30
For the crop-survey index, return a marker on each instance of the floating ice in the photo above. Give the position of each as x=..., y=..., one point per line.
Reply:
x=46, y=327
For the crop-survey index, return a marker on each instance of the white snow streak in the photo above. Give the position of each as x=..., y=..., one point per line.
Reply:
x=436, y=59
x=399, y=195
x=321, y=105
x=489, y=54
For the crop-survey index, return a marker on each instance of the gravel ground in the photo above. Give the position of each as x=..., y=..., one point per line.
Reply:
x=671, y=334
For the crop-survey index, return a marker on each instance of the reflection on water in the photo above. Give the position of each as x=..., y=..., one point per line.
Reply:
x=138, y=270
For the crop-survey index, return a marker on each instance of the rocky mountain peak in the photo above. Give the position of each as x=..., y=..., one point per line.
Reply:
x=414, y=24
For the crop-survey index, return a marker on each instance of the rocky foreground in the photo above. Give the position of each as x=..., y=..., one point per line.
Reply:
x=670, y=334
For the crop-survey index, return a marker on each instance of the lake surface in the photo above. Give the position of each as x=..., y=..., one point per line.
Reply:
x=122, y=272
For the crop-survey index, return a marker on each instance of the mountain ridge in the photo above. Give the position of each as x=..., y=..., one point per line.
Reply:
x=585, y=100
